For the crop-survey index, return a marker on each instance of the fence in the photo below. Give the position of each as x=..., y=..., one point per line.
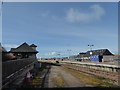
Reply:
x=12, y=68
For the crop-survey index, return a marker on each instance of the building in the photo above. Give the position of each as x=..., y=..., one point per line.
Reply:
x=94, y=53
x=5, y=55
x=24, y=51
x=99, y=52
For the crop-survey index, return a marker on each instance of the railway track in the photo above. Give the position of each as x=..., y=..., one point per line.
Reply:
x=106, y=74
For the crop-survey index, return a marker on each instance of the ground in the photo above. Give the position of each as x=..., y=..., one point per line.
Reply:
x=58, y=76
x=67, y=79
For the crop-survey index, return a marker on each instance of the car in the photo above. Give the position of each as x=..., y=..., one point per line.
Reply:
x=57, y=61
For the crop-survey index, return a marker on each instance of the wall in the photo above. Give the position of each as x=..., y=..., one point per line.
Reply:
x=108, y=58
x=12, y=66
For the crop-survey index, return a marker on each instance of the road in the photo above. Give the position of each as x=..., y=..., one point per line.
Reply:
x=66, y=79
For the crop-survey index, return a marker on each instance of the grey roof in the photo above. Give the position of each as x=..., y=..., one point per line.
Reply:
x=23, y=48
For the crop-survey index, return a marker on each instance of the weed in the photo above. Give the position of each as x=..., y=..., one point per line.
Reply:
x=59, y=81
x=91, y=79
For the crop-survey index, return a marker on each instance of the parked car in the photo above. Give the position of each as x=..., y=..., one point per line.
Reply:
x=57, y=61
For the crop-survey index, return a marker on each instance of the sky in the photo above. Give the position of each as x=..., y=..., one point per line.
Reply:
x=60, y=28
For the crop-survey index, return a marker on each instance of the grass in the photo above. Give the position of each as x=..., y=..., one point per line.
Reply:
x=26, y=84
x=91, y=79
x=59, y=81
x=33, y=84
x=36, y=82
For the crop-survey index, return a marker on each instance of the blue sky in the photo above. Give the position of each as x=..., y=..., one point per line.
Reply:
x=59, y=27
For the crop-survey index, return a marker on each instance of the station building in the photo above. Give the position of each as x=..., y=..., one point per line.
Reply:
x=100, y=55
x=24, y=51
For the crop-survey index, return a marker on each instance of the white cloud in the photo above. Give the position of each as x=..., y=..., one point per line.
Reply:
x=51, y=54
x=10, y=45
x=74, y=15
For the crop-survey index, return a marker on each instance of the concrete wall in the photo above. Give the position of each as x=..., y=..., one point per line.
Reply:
x=107, y=58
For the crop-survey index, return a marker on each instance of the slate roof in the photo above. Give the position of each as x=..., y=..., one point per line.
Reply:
x=23, y=48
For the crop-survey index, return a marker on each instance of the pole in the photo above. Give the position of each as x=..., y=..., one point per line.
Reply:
x=90, y=49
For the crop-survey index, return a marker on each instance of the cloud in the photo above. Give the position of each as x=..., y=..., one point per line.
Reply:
x=74, y=15
x=51, y=54
x=10, y=45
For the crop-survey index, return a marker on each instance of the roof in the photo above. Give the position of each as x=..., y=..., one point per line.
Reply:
x=24, y=48
x=97, y=52
x=82, y=53
x=101, y=52
x=33, y=45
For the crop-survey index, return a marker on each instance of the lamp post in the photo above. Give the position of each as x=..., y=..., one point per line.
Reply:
x=90, y=48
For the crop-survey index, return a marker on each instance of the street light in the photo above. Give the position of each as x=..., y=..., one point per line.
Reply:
x=90, y=49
